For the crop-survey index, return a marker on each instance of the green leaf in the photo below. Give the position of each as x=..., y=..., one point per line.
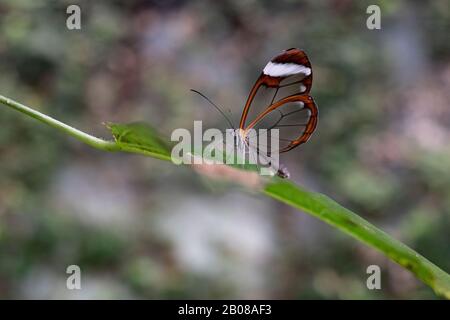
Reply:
x=139, y=137
x=331, y=212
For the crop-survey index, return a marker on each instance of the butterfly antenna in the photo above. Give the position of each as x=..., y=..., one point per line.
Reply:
x=215, y=106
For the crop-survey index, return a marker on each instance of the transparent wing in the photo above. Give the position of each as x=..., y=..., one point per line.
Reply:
x=295, y=119
x=287, y=74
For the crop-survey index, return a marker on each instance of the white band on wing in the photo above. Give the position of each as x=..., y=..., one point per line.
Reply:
x=285, y=69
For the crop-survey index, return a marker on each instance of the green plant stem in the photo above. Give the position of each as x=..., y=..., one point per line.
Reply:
x=80, y=135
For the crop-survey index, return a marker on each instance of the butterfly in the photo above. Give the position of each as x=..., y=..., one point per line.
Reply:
x=283, y=86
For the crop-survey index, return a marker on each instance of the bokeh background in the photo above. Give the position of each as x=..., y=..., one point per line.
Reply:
x=143, y=228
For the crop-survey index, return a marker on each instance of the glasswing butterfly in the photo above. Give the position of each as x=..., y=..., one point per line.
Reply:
x=279, y=99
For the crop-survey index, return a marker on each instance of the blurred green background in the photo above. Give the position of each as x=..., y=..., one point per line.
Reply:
x=143, y=228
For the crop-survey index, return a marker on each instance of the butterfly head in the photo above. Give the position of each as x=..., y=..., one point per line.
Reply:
x=240, y=137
